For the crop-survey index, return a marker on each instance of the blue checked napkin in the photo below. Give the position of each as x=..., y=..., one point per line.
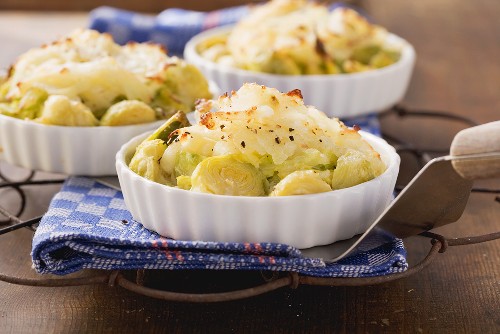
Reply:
x=172, y=28
x=88, y=226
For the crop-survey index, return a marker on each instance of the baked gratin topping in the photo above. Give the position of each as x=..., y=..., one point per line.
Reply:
x=257, y=142
x=86, y=79
x=299, y=37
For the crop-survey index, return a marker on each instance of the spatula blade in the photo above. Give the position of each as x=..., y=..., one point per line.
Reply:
x=436, y=196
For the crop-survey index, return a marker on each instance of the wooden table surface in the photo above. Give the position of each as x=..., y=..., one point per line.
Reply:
x=458, y=70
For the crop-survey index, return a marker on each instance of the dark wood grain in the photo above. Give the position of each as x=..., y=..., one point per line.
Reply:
x=457, y=70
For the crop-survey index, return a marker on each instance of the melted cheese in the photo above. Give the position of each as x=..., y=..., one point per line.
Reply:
x=89, y=68
x=257, y=121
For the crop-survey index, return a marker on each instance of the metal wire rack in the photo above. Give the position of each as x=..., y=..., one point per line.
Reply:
x=142, y=281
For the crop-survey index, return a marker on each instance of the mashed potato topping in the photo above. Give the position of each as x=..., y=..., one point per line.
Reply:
x=301, y=37
x=77, y=80
x=259, y=142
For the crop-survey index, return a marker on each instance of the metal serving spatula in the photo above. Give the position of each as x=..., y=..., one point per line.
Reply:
x=436, y=196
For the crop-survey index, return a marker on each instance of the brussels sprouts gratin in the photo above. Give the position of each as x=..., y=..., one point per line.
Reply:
x=257, y=142
x=297, y=37
x=86, y=79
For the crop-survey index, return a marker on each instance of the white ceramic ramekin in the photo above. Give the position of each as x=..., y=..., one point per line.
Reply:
x=339, y=95
x=301, y=221
x=65, y=149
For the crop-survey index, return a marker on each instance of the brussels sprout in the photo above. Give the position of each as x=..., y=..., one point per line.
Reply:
x=312, y=68
x=100, y=111
x=272, y=181
x=301, y=183
x=384, y=58
x=330, y=67
x=308, y=159
x=184, y=84
x=280, y=63
x=128, y=112
x=28, y=107
x=364, y=54
x=186, y=163
x=32, y=102
x=167, y=103
x=225, y=175
x=267, y=166
x=145, y=161
x=9, y=109
x=306, y=58
x=352, y=168
x=323, y=167
x=177, y=121
x=60, y=110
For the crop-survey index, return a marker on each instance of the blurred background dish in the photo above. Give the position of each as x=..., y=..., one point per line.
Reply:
x=338, y=95
x=68, y=106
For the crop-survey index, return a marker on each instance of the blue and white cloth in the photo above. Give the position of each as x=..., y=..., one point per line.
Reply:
x=172, y=28
x=88, y=226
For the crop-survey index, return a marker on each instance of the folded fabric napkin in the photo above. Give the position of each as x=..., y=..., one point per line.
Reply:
x=88, y=226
